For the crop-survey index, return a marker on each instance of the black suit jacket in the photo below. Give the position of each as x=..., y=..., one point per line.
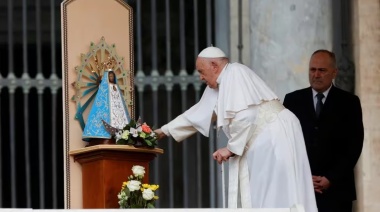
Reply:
x=334, y=141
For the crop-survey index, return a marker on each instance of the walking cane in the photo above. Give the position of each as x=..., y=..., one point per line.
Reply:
x=223, y=187
x=223, y=184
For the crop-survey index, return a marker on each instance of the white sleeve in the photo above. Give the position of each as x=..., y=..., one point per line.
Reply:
x=179, y=128
x=240, y=132
x=241, y=129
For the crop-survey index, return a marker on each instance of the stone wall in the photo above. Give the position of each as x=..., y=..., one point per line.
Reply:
x=366, y=34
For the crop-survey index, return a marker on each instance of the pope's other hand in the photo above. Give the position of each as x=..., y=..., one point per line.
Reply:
x=222, y=154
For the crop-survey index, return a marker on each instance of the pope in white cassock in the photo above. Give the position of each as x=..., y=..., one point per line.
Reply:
x=268, y=165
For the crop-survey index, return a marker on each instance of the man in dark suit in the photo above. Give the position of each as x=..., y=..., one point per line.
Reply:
x=332, y=126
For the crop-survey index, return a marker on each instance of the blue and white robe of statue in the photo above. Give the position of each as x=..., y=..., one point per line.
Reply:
x=109, y=105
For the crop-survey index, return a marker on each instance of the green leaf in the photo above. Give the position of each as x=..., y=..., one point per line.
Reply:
x=130, y=141
x=150, y=205
x=127, y=191
x=132, y=123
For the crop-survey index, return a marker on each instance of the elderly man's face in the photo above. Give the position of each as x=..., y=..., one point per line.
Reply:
x=321, y=72
x=207, y=72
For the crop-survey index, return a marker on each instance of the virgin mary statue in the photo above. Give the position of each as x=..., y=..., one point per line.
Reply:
x=109, y=106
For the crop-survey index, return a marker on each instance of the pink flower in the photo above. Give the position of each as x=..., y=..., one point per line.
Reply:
x=146, y=128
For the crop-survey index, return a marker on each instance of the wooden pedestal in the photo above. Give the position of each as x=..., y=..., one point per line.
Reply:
x=106, y=167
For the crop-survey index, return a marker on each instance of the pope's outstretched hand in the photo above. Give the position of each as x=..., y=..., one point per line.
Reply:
x=160, y=134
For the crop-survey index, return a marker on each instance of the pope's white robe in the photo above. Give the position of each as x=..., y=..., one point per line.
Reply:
x=271, y=168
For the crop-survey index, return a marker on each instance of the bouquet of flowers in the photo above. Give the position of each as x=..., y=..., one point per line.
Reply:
x=134, y=194
x=134, y=133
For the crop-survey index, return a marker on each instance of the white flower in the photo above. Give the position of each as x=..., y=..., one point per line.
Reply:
x=148, y=194
x=133, y=185
x=138, y=171
x=134, y=132
x=125, y=134
x=118, y=135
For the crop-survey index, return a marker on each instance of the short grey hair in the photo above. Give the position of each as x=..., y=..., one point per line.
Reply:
x=329, y=53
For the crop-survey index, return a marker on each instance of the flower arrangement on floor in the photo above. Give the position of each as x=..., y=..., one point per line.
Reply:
x=134, y=133
x=134, y=194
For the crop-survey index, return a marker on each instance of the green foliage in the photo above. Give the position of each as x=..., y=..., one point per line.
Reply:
x=137, y=134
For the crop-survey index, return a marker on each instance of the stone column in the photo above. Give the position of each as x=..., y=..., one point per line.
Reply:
x=366, y=34
x=283, y=36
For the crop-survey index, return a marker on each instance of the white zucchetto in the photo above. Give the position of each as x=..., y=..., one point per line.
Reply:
x=212, y=52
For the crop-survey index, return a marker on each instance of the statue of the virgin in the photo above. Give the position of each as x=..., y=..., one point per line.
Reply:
x=109, y=106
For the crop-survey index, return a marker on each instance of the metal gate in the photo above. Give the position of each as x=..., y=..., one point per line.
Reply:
x=168, y=36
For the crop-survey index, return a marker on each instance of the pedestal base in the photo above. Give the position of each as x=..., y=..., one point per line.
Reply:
x=106, y=167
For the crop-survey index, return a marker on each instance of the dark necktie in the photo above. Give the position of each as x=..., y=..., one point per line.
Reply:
x=319, y=106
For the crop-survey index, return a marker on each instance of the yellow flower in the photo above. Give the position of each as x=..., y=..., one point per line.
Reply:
x=155, y=197
x=124, y=184
x=145, y=185
x=154, y=187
